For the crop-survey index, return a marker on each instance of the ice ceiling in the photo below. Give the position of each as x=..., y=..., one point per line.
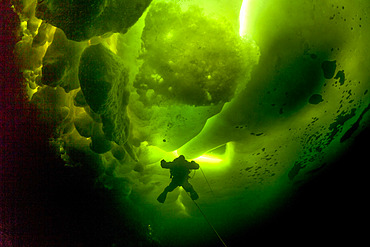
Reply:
x=262, y=94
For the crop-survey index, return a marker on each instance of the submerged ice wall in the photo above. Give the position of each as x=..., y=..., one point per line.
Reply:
x=259, y=113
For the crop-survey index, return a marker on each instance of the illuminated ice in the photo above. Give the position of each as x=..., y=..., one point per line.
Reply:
x=260, y=93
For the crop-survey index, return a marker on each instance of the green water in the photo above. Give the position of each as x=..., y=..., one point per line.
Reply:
x=262, y=97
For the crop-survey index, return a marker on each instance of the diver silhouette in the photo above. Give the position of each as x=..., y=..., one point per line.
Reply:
x=179, y=169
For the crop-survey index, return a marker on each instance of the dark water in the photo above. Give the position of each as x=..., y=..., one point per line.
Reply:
x=44, y=203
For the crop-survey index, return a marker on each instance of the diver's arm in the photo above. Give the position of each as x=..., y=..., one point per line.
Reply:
x=194, y=165
x=165, y=164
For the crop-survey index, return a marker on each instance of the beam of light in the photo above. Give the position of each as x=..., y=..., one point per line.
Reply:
x=175, y=154
x=205, y=160
x=208, y=159
x=180, y=203
x=243, y=19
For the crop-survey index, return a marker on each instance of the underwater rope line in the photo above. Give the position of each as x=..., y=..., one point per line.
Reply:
x=209, y=223
x=207, y=181
x=194, y=174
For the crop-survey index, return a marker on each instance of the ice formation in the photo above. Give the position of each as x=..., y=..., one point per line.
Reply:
x=262, y=94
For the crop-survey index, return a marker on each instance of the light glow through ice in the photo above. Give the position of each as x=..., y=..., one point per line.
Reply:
x=243, y=19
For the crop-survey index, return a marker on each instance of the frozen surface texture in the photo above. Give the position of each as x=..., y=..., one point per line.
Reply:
x=260, y=113
x=181, y=66
x=104, y=78
x=84, y=19
x=184, y=78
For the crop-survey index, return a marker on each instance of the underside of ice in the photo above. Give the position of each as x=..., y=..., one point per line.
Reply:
x=129, y=83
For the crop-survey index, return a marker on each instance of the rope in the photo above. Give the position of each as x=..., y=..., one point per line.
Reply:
x=194, y=174
x=209, y=223
x=207, y=181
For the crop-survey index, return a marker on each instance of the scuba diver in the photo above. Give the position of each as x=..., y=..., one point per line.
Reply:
x=180, y=170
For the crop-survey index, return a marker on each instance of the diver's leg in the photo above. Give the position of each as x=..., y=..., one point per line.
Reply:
x=189, y=188
x=162, y=197
x=171, y=186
